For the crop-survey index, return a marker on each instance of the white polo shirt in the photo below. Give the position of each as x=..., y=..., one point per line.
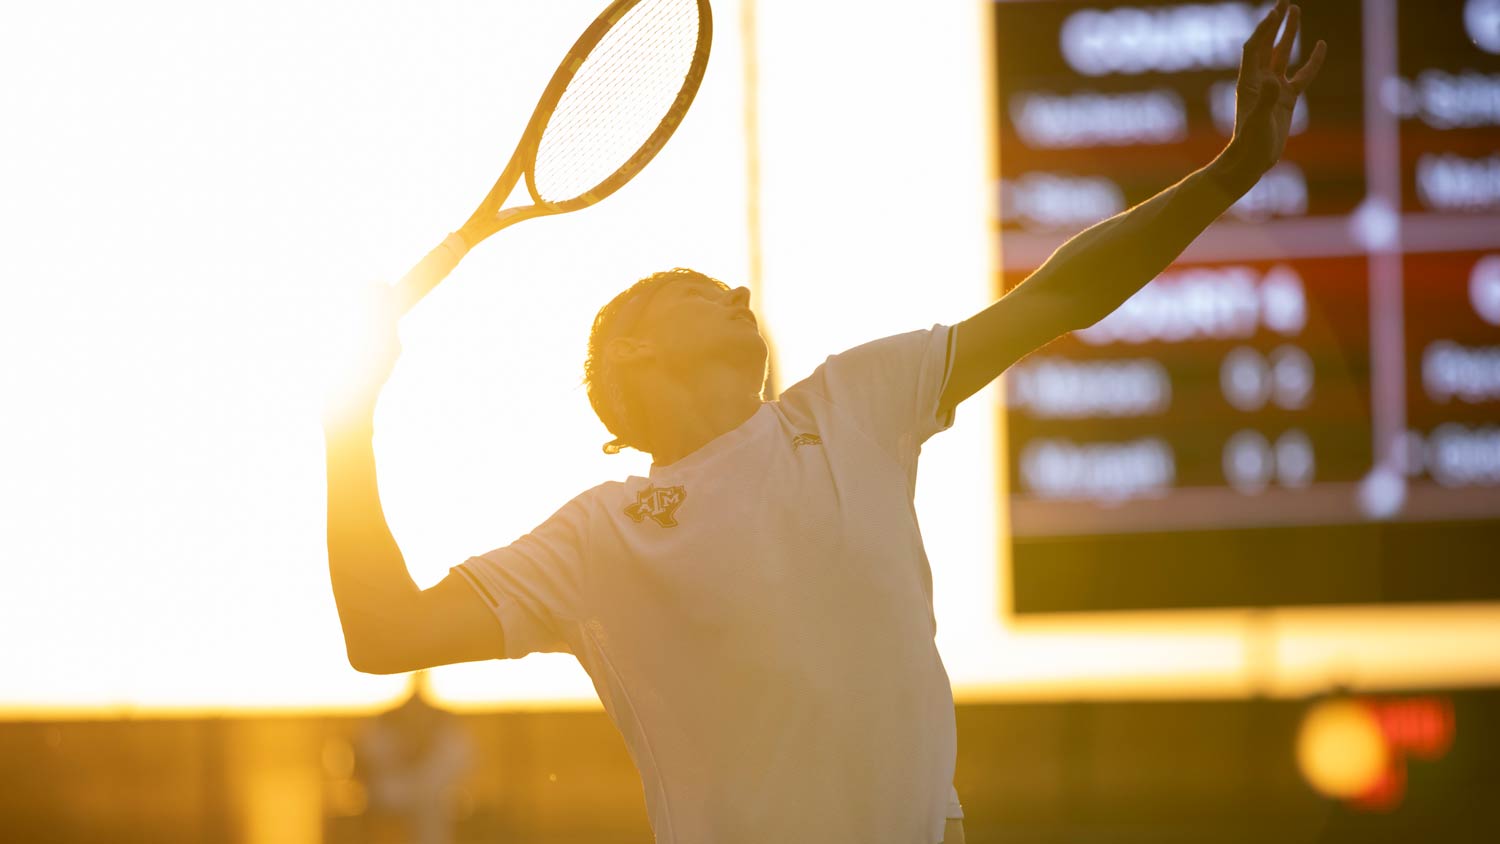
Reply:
x=757, y=616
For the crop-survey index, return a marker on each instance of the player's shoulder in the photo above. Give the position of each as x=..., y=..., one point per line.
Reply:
x=607, y=497
x=869, y=358
x=581, y=514
x=598, y=494
x=878, y=350
x=908, y=337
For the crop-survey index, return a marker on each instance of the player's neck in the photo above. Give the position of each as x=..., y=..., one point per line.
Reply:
x=683, y=421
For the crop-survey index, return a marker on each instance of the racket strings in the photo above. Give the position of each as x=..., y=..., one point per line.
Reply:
x=618, y=98
x=601, y=88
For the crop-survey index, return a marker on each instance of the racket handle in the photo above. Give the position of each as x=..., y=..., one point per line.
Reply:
x=430, y=270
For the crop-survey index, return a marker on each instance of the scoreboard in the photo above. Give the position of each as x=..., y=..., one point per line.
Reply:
x=1305, y=408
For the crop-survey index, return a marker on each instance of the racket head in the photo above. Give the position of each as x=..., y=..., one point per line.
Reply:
x=615, y=100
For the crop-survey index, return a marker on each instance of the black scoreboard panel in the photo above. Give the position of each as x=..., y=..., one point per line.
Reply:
x=1305, y=408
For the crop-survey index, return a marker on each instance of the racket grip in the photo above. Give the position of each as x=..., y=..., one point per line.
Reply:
x=430, y=270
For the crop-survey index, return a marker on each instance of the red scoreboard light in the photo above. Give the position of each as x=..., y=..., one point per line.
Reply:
x=1305, y=408
x=1356, y=749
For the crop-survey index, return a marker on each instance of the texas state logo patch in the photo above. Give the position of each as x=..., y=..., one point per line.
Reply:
x=658, y=503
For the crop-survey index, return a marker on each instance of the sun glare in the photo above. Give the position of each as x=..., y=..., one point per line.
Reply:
x=162, y=498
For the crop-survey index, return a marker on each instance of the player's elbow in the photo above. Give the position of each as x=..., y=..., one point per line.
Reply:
x=368, y=655
x=364, y=661
x=376, y=662
x=364, y=664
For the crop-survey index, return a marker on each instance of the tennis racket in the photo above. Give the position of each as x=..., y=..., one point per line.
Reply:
x=611, y=105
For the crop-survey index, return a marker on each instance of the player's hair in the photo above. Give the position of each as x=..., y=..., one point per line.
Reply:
x=614, y=407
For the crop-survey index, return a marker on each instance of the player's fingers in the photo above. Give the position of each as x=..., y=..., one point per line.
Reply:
x=1282, y=55
x=1258, y=45
x=1309, y=70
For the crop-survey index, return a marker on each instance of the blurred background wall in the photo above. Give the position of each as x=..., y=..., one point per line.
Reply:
x=1221, y=771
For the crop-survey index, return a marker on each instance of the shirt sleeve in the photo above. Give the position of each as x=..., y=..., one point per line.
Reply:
x=534, y=585
x=955, y=809
x=890, y=387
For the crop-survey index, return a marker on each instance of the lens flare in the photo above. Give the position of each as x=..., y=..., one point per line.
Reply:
x=1340, y=749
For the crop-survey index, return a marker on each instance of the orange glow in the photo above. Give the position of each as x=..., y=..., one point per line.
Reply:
x=1357, y=749
x=1341, y=750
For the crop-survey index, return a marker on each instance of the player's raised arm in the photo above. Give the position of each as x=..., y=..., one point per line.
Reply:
x=1097, y=270
x=389, y=624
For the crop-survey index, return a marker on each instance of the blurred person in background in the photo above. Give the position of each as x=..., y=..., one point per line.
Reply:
x=411, y=759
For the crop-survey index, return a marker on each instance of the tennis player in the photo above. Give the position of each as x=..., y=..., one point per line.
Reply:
x=756, y=613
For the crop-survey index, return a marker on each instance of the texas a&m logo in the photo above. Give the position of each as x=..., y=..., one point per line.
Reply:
x=658, y=503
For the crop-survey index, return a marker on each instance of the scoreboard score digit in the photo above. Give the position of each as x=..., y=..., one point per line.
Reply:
x=1305, y=408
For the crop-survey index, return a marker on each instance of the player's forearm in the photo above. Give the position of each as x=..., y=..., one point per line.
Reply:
x=370, y=582
x=1101, y=267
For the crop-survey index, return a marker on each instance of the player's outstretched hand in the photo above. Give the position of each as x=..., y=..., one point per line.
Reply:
x=365, y=352
x=1265, y=95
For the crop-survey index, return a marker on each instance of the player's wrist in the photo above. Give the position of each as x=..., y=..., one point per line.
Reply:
x=346, y=420
x=462, y=240
x=1232, y=173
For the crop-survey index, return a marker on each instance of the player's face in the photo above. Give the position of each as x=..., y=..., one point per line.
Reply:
x=693, y=321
